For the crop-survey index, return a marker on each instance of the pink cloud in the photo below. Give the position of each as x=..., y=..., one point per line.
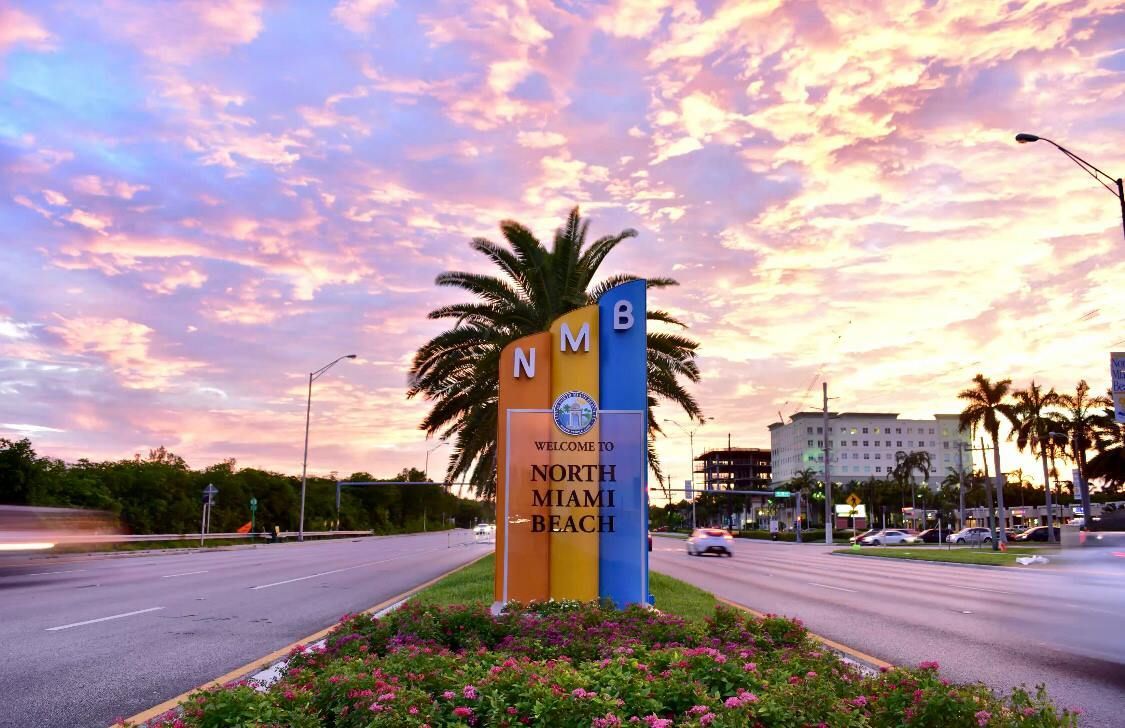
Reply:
x=19, y=28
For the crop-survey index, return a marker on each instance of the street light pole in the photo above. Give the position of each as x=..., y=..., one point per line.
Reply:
x=313, y=376
x=961, y=483
x=426, y=470
x=691, y=463
x=1100, y=176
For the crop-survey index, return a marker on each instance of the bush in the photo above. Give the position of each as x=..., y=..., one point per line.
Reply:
x=568, y=664
x=809, y=535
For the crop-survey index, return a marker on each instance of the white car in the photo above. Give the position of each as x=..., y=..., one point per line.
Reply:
x=710, y=541
x=891, y=536
x=484, y=529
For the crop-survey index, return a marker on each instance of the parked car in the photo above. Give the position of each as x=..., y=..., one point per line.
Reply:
x=1038, y=533
x=709, y=541
x=970, y=535
x=889, y=536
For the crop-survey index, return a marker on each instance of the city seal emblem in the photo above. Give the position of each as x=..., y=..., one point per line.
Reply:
x=575, y=412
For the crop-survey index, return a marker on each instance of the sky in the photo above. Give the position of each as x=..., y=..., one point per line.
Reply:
x=203, y=200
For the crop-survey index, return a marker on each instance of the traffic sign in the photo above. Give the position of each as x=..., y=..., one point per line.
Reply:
x=253, y=504
x=852, y=500
x=782, y=493
x=210, y=490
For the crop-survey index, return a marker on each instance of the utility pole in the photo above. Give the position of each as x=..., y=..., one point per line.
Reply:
x=797, y=520
x=960, y=485
x=828, y=511
x=988, y=497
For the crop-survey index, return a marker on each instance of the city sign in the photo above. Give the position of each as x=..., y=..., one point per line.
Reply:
x=782, y=493
x=571, y=461
x=1117, y=379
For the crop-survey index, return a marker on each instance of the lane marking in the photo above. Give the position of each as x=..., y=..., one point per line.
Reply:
x=827, y=586
x=186, y=573
x=323, y=573
x=45, y=573
x=103, y=619
x=979, y=588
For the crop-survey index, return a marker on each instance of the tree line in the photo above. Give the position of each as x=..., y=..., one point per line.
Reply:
x=161, y=494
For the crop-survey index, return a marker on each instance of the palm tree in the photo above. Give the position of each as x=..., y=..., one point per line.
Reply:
x=905, y=465
x=985, y=406
x=1080, y=420
x=457, y=370
x=802, y=482
x=1109, y=463
x=1032, y=431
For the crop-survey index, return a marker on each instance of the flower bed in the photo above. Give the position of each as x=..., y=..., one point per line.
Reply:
x=565, y=665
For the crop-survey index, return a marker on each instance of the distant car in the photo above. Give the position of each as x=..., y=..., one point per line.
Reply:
x=889, y=536
x=970, y=535
x=484, y=529
x=709, y=541
x=1038, y=533
x=857, y=537
x=930, y=535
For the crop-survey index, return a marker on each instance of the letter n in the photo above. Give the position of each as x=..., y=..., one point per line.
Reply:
x=568, y=340
x=524, y=361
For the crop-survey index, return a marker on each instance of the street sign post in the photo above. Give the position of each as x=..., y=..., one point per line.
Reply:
x=782, y=493
x=253, y=512
x=209, y=494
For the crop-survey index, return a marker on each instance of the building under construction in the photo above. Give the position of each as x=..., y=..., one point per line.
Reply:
x=735, y=468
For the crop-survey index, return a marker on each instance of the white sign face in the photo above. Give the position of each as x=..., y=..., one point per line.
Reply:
x=846, y=511
x=1117, y=379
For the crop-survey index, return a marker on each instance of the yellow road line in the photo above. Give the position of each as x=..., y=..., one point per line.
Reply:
x=263, y=662
x=849, y=651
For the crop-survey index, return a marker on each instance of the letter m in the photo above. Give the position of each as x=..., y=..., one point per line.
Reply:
x=525, y=362
x=567, y=340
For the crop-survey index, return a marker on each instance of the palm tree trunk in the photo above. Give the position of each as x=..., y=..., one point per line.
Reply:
x=1002, y=536
x=1047, y=490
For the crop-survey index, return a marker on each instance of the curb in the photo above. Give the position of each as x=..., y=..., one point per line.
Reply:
x=866, y=662
x=270, y=661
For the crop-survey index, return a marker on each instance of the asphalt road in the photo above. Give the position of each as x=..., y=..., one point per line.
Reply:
x=1004, y=627
x=85, y=640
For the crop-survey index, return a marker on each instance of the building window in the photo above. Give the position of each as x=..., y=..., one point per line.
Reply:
x=865, y=430
x=820, y=430
x=898, y=430
x=909, y=430
x=866, y=456
x=933, y=444
x=820, y=443
x=945, y=444
x=865, y=443
x=876, y=430
x=810, y=430
x=878, y=469
x=853, y=430
x=810, y=443
x=931, y=430
x=898, y=443
x=878, y=456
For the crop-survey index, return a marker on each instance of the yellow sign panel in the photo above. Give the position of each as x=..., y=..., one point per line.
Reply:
x=852, y=500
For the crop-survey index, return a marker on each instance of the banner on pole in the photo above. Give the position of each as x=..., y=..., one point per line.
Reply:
x=1117, y=379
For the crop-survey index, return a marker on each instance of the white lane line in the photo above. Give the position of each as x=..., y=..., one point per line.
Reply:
x=103, y=619
x=827, y=586
x=979, y=588
x=324, y=573
x=45, y=573
x=186, y=573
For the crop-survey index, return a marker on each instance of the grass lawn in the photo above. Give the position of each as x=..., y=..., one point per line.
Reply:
x=955, y=555
x=474, y=584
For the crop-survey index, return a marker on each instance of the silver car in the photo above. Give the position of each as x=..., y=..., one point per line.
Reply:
x=974, y=535
x=889, y=536
x=710, y=541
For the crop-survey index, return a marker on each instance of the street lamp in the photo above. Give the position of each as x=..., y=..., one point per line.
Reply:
x=1090, y=169
x=426, y=471
x=313, y=376
x=691, y=464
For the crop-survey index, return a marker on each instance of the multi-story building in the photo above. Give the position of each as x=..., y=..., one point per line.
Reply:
x=863, y=445
x=735, y=468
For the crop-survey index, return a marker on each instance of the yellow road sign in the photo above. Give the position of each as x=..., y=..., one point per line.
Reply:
x=852, y=500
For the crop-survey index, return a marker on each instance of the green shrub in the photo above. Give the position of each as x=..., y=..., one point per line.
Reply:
x=586, y=665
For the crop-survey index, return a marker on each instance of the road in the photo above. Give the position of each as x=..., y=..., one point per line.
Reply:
x=88, y=639
x=1004, y=627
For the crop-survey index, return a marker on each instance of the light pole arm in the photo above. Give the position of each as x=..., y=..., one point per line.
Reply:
x=1101, y=176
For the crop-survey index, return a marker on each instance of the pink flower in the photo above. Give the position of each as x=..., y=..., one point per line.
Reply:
x=289, y=694
x=750, y=667
x=706, y=719
x=578, y=693
x=810, y=673
x=375, y=708
x=732, y=702
x=462, y=712
x=794, y=680
x=982, y=717
x=449, y=695
x=928, y=665
x=860, y=701
x=413, y=710
x=469, y=692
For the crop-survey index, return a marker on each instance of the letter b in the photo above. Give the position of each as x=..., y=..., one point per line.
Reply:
x=622, y=315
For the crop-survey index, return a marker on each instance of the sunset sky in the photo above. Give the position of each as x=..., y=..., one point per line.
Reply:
x=202, y=201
